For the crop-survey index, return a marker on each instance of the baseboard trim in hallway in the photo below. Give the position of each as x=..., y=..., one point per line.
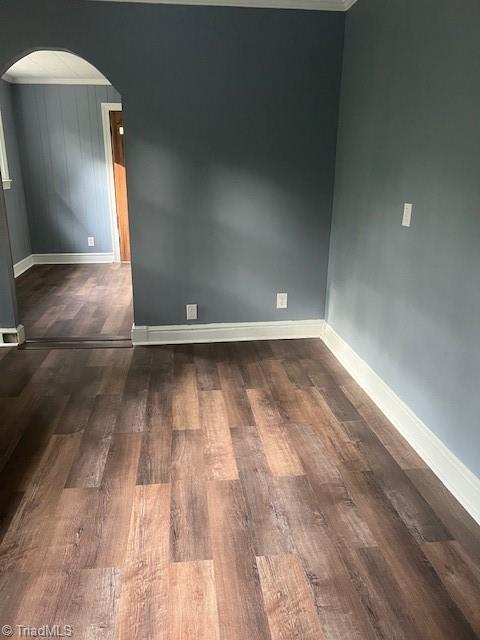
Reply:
x=60, y=258
x=226, y=332
x=99, y=342
x=23, y=265
x=458, y=479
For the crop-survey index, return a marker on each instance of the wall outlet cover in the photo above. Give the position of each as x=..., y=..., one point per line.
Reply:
x=91, y=241
x=282, y=300
x=407, y=214
x=192, y=312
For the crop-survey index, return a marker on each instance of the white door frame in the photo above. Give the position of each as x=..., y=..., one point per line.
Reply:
x=112, y=202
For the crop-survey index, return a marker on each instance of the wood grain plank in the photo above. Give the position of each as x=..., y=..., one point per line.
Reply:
x=87, y=469
x=315, y=457
x=86, y=602
x=380, y=593
x=460, y=523
x=25, y=431
x=206, y=367
x=289, y=603
x=190, y=536
x=240, y=604
x=24, y=543
x=143, y=609
x=415, y=512
x=132, y=416
x=297, y=373
x=392, y=440
x=155, y=462
x=269, y=525
x=12, y=588
x=281, y=455
x=9, y=503
x=74, y=536
x=115, y=370
x=219, y=458
x=91, y=525
x=339, y=606
x=193, y=603
x=233, y=386
x=460, y=575
x=115, y=497
x=343, y=448
x=429, y=605
x=185, y=406
x=339, y=404
x=283, y=392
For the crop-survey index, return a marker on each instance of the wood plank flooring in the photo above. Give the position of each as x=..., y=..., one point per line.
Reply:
x=76, y=300
x=245, y=491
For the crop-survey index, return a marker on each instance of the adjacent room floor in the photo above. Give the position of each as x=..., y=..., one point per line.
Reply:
x=76, y=300
x=229, y=491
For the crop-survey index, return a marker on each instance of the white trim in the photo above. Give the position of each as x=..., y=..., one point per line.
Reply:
x=107, y=144
x=6, y=181
x=60, y=258
x=458, y=479
x=312, y=5
x=227, y=332
x=23, y=265
x=19, y=331
x=37, y=80
x=72, y=258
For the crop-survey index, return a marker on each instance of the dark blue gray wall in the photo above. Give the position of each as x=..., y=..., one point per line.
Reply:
x=15, y=196
x=408, y=300
x=63, y=158
x=231, y=118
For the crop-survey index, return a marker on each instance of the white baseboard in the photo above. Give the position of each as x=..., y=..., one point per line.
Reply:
x=23, y=265
x=72, y=258
x=227, y=332
x=18, y=332
x=458, y=479
x=61, y=258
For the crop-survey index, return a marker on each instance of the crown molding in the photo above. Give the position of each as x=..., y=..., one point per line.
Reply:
x=308, y=5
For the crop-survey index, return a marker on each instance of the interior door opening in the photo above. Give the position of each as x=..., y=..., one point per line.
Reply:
x=120, y=183
x=66, y=201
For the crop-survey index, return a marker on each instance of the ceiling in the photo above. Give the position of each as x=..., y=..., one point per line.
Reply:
x=319, y=5
x=53, y=67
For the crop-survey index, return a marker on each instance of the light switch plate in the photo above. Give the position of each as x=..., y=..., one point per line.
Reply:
x=407, y=214
x=192, y=312
x=282, y=300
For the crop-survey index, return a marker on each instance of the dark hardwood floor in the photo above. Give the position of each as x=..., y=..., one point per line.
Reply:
x=76, y=300
x=243, y=491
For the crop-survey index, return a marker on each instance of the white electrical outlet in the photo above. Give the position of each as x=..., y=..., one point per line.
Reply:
x=91, y=241
x=282, y=300
x=407, y=214
x=191, y=311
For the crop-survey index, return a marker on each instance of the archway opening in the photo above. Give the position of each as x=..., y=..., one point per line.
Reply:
x=62, y=161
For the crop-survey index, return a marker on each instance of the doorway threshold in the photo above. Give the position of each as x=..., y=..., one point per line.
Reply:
x=91, y=342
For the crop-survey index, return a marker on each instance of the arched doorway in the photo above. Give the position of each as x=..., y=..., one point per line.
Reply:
x=64, y=180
